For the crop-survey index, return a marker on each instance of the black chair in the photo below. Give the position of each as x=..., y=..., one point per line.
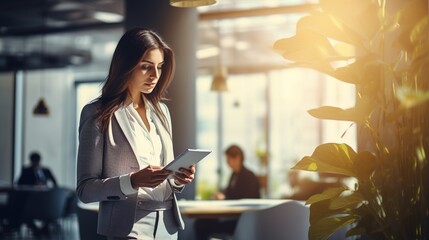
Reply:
x=47, y=206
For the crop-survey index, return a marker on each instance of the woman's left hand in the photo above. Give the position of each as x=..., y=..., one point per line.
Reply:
x=185, y=176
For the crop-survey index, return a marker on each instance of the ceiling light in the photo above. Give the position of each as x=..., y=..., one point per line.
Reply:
x=108, y=17
x=207, y=52
x=191, y=3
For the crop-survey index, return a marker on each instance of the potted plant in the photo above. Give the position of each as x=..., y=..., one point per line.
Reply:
x=389, y=65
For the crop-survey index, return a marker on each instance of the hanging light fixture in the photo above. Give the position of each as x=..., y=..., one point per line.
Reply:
x=220, y=73
x=191, y=3
x=41, y=108
x=219, y=79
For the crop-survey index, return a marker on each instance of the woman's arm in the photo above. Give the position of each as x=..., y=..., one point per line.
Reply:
x=91, y=187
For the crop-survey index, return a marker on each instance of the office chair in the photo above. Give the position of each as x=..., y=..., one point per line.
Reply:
x=47, y=205
x=287, y=221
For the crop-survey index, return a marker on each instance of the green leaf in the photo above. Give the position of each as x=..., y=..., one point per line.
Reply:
x=321, y=210
x=325, y=195
x=355, y=199
x=420, y=30
x=312, y=164
x=358, y=114
x=327, y=226
x=330, y=158
x=335, y=113
x=407, y=18
x=411, y=13
x=355, y=231
x=365, y=70
x=409, y=97
x=329, y=27
x=332, y=203
x=365, y=164
x=306, y=46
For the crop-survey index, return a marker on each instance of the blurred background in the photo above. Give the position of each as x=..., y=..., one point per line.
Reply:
x=59, y=51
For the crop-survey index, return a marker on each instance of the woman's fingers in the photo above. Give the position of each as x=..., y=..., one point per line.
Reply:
x=150, y=176
x=185, y=176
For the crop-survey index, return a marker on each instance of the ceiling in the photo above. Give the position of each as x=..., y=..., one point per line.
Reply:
x=26, y=17
x=83, y=33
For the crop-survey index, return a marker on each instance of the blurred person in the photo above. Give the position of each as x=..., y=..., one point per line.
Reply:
x=36, y=174
x=243, y=183
x=125, y=139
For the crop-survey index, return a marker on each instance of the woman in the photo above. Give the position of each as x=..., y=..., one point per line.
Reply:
x=125, y=139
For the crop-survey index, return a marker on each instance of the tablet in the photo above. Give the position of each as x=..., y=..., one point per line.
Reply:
x=187, y=158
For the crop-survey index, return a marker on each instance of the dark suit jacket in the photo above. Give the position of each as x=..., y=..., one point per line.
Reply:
x=28, y=177
x=246, y=185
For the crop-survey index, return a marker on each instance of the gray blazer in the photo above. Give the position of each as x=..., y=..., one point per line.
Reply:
x=102, y=158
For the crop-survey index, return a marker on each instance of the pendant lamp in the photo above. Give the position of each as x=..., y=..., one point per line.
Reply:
x=41, y=107
x=219, y=80
x=191, y=3
x=220, y=74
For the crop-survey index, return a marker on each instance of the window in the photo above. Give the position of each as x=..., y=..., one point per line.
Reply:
x=85, y=93
x=267, y=113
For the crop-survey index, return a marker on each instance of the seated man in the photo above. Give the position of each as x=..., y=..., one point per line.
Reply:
x=35, y=174
x=243, y=183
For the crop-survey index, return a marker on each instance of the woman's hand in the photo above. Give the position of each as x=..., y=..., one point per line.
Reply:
x=185, y=176
x=218, y=196
x=150, y=176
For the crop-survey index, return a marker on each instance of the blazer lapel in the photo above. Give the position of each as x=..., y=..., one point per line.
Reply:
x=122, y=118
x=123, y=121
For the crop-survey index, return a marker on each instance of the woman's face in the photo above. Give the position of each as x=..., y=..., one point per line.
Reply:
x=234, y=163
x=146, y=75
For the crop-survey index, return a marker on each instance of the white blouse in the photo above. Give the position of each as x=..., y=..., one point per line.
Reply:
x=148, y=151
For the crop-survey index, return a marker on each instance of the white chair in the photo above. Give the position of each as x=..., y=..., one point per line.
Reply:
x=287, y=221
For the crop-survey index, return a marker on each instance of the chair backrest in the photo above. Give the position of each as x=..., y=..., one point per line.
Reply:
x=289, y=220
x=45, y=205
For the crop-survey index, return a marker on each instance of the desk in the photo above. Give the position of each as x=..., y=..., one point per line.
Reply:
x=28, y=188
x=15, y=202
x=224, y=208
x=212, y=208
x=9, y=192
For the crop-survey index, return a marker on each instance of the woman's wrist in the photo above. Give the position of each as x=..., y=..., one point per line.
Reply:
x=133, y=185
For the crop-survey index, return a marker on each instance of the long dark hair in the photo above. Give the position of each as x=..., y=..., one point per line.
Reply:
x=128, y=53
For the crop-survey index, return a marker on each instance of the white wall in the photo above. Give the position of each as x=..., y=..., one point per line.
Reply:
x=51, y=134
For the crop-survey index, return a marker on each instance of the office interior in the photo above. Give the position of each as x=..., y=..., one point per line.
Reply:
x=60, y=51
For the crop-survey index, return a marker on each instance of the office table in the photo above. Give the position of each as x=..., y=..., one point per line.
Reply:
x=8, y=192
x=213, y=208
x=224, y=208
